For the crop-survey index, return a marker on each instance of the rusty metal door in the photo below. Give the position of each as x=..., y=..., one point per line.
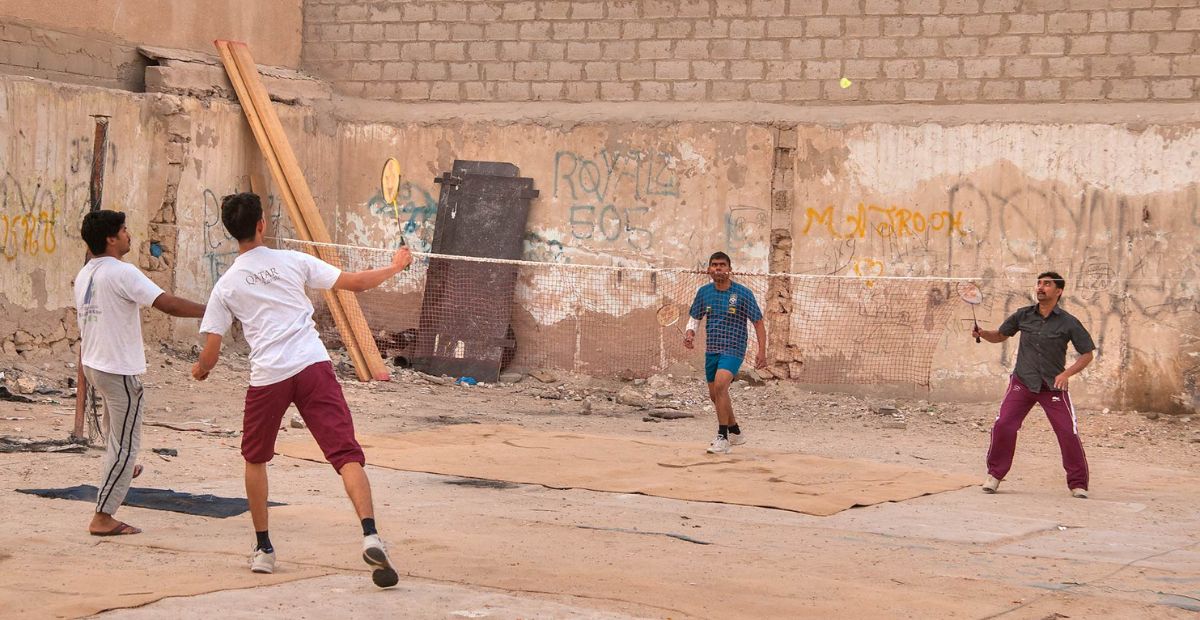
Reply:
x=466, y=311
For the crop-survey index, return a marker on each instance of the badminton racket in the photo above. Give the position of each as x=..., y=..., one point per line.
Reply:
x=668, y=316
x=389, y=187
x=969, y=292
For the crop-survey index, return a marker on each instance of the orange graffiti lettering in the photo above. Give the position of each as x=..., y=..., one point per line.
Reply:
x=886, y=222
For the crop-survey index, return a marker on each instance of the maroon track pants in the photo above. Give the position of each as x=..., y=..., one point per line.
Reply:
x=1018, y=401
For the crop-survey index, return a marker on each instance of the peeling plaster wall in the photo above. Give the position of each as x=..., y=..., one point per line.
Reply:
x=1115, y=209
x=611, y=194
x=46, y=137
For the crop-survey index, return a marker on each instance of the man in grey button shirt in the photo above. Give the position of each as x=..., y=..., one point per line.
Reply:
x=1040, y=377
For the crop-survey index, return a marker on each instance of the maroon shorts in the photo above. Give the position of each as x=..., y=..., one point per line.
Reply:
x=318, y=395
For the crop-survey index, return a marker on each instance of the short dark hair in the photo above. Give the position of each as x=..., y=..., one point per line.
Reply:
x=98, y=226
x=240, y=214
x=1053, y=275
x=720, y=256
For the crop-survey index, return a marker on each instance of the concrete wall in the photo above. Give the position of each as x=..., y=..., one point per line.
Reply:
x=45, y=165
x=761, y=50
x=1112, y=207
x=95, y=42
x=1115, y=209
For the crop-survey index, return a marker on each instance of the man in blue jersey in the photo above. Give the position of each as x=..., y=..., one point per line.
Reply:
x=726, y=306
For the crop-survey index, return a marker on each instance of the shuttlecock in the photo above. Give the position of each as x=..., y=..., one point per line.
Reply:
x=845, y=83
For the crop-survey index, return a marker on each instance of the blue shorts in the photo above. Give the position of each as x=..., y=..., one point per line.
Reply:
x=720, y=361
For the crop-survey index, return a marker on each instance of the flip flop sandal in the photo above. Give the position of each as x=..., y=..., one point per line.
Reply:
x=122, y=529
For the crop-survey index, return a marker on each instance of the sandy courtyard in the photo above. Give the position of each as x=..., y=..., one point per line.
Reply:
x=473, y=549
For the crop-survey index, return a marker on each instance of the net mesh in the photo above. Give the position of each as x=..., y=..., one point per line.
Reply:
x=444, y=312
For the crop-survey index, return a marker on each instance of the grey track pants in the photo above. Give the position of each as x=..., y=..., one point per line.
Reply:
x=122, y=395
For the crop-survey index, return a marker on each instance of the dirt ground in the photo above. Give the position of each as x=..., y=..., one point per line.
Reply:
x=482, y=550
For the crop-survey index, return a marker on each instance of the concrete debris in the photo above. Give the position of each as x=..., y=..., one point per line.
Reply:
x=297, y=421
x=545, y=376
x=658, y=382
x=17, y=444
x=16, y=398
x=631, y=397
x=26, y=385
x=671, y=414
x=751, y=376
x=650, y=419
x=511, y=377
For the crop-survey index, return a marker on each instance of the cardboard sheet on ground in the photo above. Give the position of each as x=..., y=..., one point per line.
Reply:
x=753, y=477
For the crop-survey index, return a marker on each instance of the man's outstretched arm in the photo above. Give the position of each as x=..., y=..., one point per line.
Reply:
x=359, y=281
x=178, y=306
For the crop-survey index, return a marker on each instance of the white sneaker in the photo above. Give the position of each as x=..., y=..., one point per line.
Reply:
x=990, y=485
x=720, y=445
x=375, y=554
x=262, y=562
x=737, y=439
x=1080, y=493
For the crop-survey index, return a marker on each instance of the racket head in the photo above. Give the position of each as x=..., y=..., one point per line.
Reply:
x=668, y=315
x=389, y=181
x=970, y=293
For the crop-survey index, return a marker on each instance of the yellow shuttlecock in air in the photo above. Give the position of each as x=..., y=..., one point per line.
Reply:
x=845, y=83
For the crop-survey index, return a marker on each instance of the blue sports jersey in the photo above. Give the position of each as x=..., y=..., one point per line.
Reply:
x=726, y=313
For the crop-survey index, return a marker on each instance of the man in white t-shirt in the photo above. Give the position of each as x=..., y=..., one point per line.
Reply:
x=109, y=294
x=264, y=289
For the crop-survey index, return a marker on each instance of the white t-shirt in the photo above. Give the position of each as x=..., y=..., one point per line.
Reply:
x=108, y=295
x=264, y=289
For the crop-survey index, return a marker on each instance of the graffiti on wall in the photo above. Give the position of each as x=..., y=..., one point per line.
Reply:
x=415, y=213
x=612, y=193
x=220, y=249
x=744, y=226
x=888, y=222
x=32, y=214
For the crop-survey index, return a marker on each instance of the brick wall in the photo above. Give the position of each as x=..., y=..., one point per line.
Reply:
x=760, y=50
